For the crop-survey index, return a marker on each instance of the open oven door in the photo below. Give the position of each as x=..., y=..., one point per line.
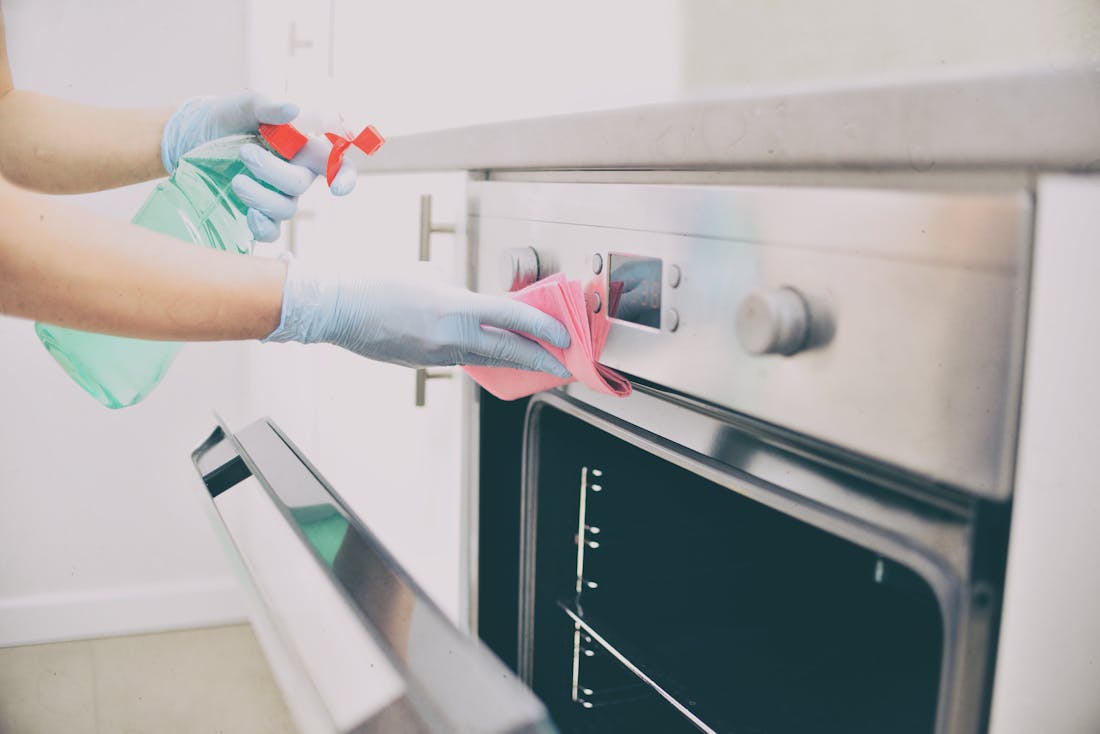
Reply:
x=355, y=644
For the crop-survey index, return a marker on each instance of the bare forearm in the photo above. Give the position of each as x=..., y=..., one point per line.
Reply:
x=62, y=147
x=65, y=266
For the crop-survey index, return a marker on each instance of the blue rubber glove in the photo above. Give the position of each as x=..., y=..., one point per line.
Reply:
x=202, y=119
x=415, y=325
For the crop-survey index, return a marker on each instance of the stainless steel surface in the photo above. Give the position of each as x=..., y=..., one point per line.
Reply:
x=380, y=654
x=470, y=519
x=350, y=671
x=672, y=319
x=519, y=268
x=1031, y=119
x=428, y=228
x=773, y=321
x=913, y=355
x=934, y=543
x=422, y=376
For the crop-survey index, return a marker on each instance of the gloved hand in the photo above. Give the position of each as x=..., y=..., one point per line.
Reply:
x=416, y=325
x=202, y=119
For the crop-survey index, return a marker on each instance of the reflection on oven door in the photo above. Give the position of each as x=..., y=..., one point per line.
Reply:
x=355, y=644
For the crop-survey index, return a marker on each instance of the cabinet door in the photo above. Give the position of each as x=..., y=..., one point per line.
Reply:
x=354, y=643
x=397, y=463
x=291, y=47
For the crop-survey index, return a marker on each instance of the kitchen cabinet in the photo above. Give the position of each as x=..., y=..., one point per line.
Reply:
x=397, y=463
x=290, y=49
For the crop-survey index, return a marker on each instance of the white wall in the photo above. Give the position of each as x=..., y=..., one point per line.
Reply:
x=426, y=64
x=101, y=530
x=429, y=64
x=762, y=41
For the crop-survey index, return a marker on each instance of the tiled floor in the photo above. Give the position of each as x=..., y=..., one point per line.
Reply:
x=203, y=681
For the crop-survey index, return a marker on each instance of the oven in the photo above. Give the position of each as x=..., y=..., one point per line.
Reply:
x=356, y=646
x=798, y=520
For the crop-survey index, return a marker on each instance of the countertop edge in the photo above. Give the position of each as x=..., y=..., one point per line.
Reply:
x=1046, y=119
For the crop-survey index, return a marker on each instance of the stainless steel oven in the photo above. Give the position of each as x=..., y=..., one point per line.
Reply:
x=355, y=645
x=798, y=521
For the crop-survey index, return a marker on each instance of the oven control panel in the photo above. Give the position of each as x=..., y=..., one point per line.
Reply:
x=769, y=321
x=887, y=322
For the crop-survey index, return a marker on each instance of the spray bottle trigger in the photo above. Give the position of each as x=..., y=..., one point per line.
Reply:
x=368, y=140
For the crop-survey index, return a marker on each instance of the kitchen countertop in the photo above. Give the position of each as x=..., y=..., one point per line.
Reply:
x=1046, y=119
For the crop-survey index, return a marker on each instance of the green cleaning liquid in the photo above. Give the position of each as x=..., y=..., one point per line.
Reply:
x=196, y=205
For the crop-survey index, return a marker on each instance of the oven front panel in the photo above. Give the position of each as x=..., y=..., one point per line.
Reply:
x=661, y=584
x=886, y=323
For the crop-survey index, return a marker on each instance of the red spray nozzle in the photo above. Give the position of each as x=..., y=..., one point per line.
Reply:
x=286, y=140
x=367, y=141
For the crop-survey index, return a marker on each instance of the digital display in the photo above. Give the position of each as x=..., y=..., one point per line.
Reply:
x=634, y=289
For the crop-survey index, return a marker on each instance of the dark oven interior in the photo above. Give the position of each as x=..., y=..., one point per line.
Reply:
x=662, y=601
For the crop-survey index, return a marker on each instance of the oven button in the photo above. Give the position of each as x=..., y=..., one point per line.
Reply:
x=597, y=263
x=672, y=319
x=674, y=276
x=773, y=321
x=519, y=268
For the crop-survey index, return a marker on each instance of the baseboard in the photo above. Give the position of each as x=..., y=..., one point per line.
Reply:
x=113, y=612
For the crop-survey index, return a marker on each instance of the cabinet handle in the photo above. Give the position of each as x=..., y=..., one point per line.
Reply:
x=427, y=229
x=293, y=42
x=422, y=377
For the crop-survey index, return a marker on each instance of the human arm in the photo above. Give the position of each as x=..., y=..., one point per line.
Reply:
x=61, y=147
x=413, y=324
x=73, y=268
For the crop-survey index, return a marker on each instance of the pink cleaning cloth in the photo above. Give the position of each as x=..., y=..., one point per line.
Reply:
x=566, y=301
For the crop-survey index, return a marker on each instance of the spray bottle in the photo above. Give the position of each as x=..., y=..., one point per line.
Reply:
x=198, y=205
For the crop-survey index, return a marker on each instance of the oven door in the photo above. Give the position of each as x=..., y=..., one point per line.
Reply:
x=355, y=644
x=738, y=579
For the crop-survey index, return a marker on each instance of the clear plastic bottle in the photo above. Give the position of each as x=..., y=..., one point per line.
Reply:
x=196, y=205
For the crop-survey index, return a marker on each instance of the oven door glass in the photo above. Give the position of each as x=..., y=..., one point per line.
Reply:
x=658, y=600
x=355, y=644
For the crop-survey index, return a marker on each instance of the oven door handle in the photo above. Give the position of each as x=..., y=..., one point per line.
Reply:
x=355, y=644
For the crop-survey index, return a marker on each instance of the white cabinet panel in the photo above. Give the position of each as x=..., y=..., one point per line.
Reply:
x=416, y=65
x=396, y=463
x=291, y=49
x=1052, y=590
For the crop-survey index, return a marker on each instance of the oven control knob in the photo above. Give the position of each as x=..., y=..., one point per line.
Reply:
x=773, y=321
x=519, y=268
